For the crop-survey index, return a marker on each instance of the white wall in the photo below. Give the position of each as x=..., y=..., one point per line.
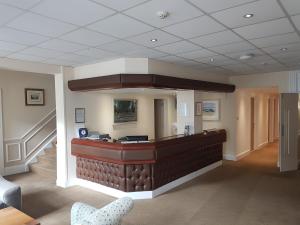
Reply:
x=144, y=66
x=1, y=137
x=186, y=101
x=170, y=69
x=243, y=126
x=222, y=97
x=226, y=121
x=17, y=117
x=185, y=111
x=281, y=80
x=100, y=113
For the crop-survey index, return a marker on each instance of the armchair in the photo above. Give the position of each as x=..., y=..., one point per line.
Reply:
x=111, y=214
x=10, y=194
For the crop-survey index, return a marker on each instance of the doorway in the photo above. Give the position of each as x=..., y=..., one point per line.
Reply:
x=160, y=118
x=289, y=123
x=1, y=137
x=252, y=123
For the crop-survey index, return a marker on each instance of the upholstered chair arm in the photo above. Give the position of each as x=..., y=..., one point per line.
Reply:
x=10, y=194
x=110, y=214
x=119, y=207
x=80, y=211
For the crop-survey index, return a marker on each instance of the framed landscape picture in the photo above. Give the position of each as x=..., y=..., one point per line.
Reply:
x=34, y=97
x=211, y=110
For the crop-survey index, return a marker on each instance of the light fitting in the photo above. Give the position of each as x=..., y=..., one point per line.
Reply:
x=212, y=59
x=153, y=40
x=247, y=16
x=162, y=14
x=247, y=56
x=283, y=49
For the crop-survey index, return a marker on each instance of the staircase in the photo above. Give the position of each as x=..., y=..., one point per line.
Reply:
x=46, y=163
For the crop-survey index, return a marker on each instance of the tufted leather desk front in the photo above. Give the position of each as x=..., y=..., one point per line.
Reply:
x=146, y=166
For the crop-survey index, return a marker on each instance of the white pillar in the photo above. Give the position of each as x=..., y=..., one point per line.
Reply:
x=186, y=112
x=61, y=124
x=1, y=137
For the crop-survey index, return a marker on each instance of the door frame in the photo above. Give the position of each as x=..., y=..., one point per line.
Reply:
x=1, y=136
x=165, y=122
x=269, y=120
x=252, y=123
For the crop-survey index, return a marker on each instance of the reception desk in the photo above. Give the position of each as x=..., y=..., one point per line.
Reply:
x=149, y=166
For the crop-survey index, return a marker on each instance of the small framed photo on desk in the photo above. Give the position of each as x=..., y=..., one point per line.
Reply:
x=79, y=115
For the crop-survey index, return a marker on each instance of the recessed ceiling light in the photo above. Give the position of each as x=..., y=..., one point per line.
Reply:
x=162, y=14
x=153, y=40
x=247, y=56
x=249, y=15
x=283, y=49
x=212, y=59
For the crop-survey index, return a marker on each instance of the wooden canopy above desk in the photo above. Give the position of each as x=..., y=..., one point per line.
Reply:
x=146, y=81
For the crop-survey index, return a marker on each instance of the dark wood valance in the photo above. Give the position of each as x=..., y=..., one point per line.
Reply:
x=146, y=81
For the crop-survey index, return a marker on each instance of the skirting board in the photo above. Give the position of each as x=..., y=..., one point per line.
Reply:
x=142, y=194
x=229, y=157
x=237, y=157
x=243, y=154
x=15, y=169
x=260, y=146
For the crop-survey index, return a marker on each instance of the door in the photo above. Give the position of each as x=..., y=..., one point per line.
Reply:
x=252, y=123
x=288, y=155
x=159, y=108
x=1, y=137
x=269, y=120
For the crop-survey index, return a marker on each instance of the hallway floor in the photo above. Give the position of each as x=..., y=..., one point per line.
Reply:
x=248, y=192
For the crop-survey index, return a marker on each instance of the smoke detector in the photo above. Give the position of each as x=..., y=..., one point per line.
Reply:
x=247, y=56
x=162, y=14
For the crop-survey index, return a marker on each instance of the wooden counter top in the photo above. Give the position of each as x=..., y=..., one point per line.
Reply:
x=136, y=153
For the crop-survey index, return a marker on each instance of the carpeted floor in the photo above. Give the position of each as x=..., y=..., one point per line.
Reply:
x=248, y=192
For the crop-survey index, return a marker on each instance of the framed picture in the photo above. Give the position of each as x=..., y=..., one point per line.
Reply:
x=198, y=108
x=79, y=115
x=34, y=97
x=211, y=110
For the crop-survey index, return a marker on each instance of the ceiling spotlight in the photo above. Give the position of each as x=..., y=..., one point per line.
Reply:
x=162, y=14
x=283, y=49
x=247, y=56
x=153, y=40
x=212, y=59
x=247, y=16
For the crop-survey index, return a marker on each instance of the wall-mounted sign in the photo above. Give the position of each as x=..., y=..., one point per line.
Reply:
x=79, y=115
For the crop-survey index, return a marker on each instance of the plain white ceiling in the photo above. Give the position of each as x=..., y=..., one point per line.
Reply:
x=76, y=32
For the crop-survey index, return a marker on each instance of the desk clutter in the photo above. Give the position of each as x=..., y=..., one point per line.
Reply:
x=84, y=133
